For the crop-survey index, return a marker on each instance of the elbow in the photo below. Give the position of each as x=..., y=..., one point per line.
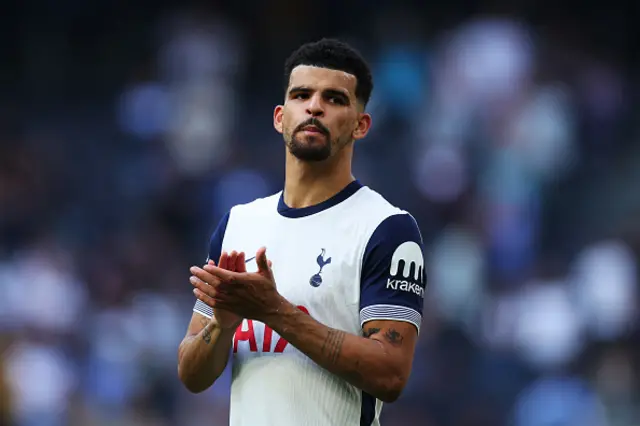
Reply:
x=194, y=389
x=195, y=377
x=183, y=376
x=193, y=386
x=391, y=390
x=390, y=396
x=192, y=382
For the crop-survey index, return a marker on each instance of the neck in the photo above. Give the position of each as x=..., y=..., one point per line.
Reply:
x=307, y=184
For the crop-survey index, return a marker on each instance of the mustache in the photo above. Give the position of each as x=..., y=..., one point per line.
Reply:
x=313, y=122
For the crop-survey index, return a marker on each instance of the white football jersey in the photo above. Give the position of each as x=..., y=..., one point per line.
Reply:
x=351, y=259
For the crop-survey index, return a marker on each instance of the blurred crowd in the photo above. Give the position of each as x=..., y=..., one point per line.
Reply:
x=508, y=129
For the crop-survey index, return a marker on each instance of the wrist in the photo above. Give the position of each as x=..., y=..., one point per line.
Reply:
x=219, y=334
x=232, y=328
x=214, y=328
x=280, y=309
x=216, y=324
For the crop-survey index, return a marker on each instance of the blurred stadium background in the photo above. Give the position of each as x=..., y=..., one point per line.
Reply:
x=508, y=128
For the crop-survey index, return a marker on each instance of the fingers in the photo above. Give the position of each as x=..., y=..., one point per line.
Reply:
x=235, y=262
x=224, y=260
x=240, y=263
x=205, y=276
x=203, y=297
x=264, y=264
x=231, y=263
x=207, y=280
x=213, y=302
x=218, y=301
x=261, y=259
x=202, y=288
x=220, y=274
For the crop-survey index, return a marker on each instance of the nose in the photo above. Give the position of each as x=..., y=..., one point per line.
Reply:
x=314, y=108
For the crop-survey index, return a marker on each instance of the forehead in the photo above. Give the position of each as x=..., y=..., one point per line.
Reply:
x=322, y=78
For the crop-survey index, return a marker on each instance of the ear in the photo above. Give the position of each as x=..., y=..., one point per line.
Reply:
x=364, y=124
x=277, y=118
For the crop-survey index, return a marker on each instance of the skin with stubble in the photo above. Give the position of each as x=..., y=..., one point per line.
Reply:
x=320, y=120
x=320, y=116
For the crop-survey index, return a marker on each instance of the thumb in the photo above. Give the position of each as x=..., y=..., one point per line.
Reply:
x=262, y=261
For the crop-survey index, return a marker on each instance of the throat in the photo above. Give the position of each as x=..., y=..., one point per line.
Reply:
x=307, y=184
x=299, y=195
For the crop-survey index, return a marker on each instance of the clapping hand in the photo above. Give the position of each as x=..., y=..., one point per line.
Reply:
x=204, y=284
x=237, y=292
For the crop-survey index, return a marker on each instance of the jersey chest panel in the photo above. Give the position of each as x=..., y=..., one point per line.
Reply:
x=315, y=268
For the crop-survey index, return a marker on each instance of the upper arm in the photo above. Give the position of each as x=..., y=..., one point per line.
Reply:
x=392, y=287
x=399, y=339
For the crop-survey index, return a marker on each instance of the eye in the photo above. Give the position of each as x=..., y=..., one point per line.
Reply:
x=337, y=100
x=301, y=96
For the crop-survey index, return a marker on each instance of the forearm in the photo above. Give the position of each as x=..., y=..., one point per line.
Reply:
x=363, y=362
x=203, y=357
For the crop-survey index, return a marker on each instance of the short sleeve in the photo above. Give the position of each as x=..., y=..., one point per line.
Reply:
x=215, y=250
x=393, y=277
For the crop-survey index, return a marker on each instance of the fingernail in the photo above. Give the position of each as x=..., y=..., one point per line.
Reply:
x=193, y=280
x=193, y=269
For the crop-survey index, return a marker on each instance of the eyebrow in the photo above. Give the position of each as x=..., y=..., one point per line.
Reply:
x=334, y=92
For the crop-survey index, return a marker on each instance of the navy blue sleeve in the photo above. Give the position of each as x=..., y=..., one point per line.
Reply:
x=215, y=250
x=215, y=243
x=393, y=277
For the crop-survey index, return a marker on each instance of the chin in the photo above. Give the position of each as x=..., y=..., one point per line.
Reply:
x=310, y=154
x=310, y=149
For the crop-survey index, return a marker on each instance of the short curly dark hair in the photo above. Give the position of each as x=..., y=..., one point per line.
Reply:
x=336, y=55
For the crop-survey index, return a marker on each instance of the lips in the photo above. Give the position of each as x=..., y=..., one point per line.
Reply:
x=312, y=129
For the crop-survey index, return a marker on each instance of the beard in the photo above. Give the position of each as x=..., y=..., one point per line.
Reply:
x=311, y=151
x=306, y=151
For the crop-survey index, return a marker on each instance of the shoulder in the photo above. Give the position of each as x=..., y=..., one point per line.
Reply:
x=393, y=233
x=383, y=220
x=242, y=212
x=392, y=275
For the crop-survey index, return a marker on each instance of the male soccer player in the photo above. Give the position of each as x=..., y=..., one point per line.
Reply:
x=325, y=330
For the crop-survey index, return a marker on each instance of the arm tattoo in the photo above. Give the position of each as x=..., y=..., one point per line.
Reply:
x=206, y=334
x=333, y=345
x=393, y=337
x=370, y=331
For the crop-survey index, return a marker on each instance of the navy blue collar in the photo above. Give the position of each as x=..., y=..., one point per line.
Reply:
x=291, y=212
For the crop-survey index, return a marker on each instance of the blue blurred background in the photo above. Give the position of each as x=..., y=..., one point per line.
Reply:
x=508, y=128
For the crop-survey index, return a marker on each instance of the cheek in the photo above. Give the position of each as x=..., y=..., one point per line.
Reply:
x=345, y=125
x=287, y=125
x=288, y=119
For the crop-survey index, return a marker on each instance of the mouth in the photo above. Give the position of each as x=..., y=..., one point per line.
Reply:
x=312, y=129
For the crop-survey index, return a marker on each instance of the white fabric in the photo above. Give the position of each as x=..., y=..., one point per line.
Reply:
x=287, y=388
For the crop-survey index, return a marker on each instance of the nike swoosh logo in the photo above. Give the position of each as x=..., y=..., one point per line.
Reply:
x=249, y=259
